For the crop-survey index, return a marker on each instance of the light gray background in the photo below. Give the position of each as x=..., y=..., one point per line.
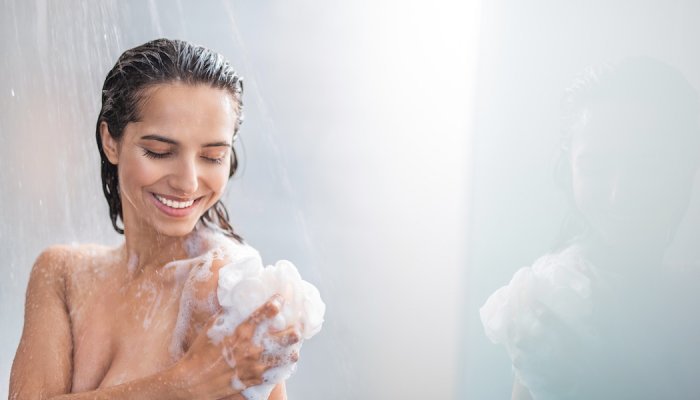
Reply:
x=529, y=52
x=355, y=151
x=399, y=152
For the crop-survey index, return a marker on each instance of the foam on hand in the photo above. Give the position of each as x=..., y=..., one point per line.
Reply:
x=245, y=285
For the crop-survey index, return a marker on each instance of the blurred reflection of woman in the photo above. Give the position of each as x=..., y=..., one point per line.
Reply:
x=108, y=322
x=601, y=317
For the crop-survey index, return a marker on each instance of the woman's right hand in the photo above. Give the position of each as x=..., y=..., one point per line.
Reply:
x=206, y=372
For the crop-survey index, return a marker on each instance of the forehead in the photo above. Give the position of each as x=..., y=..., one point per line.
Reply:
x=627, y=128
x=178, y=106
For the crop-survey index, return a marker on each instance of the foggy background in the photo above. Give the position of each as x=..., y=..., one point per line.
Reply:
x=400, y=153
x=529, y=52
x=355, y=164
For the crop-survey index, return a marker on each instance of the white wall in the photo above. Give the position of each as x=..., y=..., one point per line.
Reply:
x=356, y=147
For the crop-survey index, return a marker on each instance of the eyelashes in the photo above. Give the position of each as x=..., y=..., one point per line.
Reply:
x=158, y=156
x=154, y=155
x=214, y=160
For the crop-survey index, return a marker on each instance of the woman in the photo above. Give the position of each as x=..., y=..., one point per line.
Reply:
x=108, y=322
x=601, y=317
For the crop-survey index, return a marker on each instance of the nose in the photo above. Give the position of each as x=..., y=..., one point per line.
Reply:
x=627, y=192
x=184, y=179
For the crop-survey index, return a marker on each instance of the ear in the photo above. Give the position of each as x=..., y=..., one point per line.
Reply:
x=109, y=145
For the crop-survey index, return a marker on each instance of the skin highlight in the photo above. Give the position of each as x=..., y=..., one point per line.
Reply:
x=99, y=320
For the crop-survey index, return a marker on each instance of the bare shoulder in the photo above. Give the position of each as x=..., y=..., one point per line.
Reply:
x=61, y=259
x=43, y=362
x=65, y=266
x=52, y=265
x=60, y=256
x=53, y=259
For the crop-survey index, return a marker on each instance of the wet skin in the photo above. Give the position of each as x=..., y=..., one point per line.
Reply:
x=99, y=317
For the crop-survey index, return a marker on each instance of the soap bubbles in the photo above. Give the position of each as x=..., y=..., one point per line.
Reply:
x=244, y=286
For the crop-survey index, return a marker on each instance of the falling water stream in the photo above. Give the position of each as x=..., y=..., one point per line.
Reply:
x=400, y=152
x=329, y=177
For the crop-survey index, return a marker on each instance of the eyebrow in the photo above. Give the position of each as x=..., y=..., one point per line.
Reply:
x=164, y=139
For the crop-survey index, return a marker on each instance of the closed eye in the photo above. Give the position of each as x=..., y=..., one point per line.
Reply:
x=153, y=154
x=214, y=160
x=215, y=156
x=156, y=155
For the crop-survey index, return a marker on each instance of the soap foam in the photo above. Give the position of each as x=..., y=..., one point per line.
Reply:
x=188, y=273
x=245, y=285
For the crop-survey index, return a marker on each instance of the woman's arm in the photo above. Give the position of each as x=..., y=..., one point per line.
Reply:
x=42, y=368
x=157, y=386
x=279, y=393
x=43, y=363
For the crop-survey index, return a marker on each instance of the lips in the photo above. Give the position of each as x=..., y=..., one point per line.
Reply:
x=174, y=208
x=173, y=203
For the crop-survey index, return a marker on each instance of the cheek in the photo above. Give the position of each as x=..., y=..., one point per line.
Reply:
x=218, y=179
x=136, y=172
x=589, y=194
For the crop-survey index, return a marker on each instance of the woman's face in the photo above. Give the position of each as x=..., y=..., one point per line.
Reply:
x=631, y=174
x=174, y=162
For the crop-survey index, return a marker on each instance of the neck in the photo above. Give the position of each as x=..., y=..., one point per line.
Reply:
x=145, y=249
x=630, y=260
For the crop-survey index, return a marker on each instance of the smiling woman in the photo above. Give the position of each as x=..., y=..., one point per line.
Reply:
x=138, y=78
x=175, y=156
x=133, y=322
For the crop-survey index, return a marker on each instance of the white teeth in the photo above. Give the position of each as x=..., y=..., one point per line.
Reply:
x=174, y=204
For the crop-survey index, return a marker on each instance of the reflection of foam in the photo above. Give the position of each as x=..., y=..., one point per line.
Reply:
x=244, y=285
x=536, y=313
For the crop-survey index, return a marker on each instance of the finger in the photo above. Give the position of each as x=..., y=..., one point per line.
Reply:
x=266, y=311
x=294, y=357
x=253, y=381
x=287, y=336
x=278, y=359
x=270, y=360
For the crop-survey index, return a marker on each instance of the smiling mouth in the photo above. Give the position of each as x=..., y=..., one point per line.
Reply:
x=174, y=204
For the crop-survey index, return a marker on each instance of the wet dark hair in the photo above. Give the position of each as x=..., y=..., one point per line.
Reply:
x=633, y=80
x=138, y=69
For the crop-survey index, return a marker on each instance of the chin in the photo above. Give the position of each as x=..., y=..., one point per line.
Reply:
x=635, y=240
x=176, y=229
